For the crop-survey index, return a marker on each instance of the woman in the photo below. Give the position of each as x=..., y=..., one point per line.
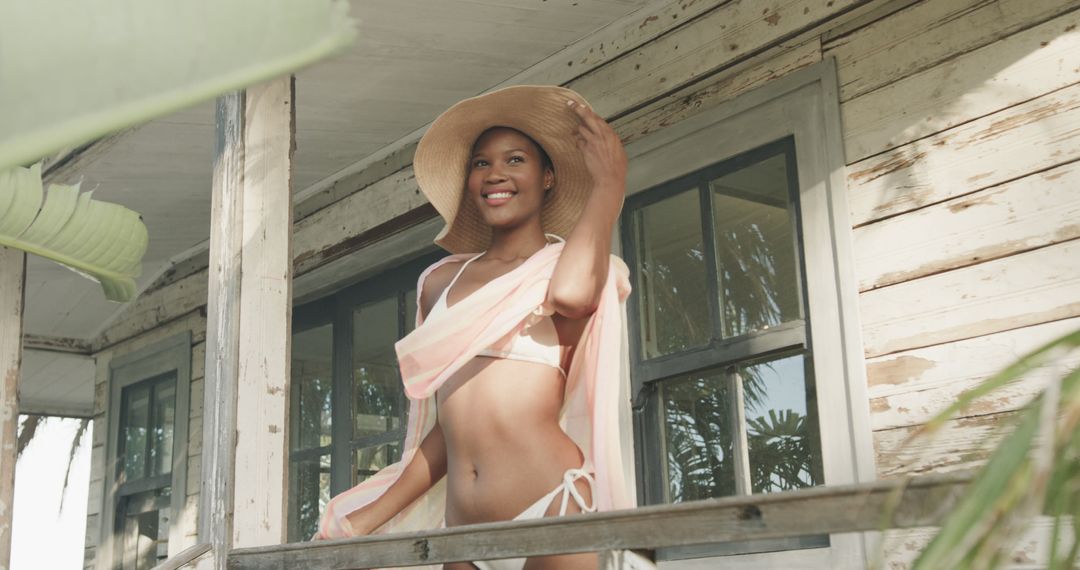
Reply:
x=513, y=370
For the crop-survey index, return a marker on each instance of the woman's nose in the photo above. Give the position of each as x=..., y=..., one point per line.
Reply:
x=495, y=175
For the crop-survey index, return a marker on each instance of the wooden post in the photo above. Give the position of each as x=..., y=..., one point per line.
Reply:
x=12, y=282
x=248, y=323
x=222, y=331
x=262, y=395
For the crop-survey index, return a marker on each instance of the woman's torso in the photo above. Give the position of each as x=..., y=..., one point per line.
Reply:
x=500, y=420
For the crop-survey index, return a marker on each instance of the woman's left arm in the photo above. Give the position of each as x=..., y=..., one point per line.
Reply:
x=582, y=269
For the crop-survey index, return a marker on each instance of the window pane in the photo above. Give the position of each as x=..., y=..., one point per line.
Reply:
x=378, y=397
x=312, y=375
x=755, y=248
x=310, y=481
x=671, y=275
x=145, y=527
x=369, y=460
x=133, y=432
x=781, y=425
x=161, y=437
x=697, y=438
x=410, y=310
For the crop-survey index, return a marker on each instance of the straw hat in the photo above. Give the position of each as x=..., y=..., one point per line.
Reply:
x=442, y=157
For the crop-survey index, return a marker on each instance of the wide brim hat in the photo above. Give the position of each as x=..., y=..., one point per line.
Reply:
x=441, y=163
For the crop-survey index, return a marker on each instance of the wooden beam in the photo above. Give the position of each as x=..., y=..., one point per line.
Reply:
x=56, y=344
x=262, y=394
x=12, y=285
x=924, y=501
x=222, y=330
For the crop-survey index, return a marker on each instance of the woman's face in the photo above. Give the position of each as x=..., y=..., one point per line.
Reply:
x=507, y=177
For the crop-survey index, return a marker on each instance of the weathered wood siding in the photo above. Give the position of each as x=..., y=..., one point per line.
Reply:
x=194, y=321
x=961, y=122
x=961, y=132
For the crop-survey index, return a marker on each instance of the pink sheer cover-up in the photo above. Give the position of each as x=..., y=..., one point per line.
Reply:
x=595, y=400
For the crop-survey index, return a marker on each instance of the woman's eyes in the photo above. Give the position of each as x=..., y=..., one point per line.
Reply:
x=480, y=163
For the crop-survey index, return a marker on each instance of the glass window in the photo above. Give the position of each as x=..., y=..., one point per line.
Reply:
x=722, y=344
x=344, y=344
x=311, y=427
x=147, y=423
x=144, y=520
x=147, y=418
x=671, y=275
x=369, y=460
x=309, y=485
x=754, y=222
x=378, y=402
x=312, y=384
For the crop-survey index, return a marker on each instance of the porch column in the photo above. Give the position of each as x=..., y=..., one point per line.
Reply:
x=12, y=281
x=248, y=323
x=262, y=395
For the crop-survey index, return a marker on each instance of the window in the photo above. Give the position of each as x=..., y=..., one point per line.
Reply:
x=148, y=410
x=344, y=344
x=735, y=233
x=718, y=273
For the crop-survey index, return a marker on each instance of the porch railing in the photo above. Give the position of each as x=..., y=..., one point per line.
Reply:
x=887, y=504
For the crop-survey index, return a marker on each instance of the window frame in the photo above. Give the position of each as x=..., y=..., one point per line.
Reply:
x=802, y=106
x=336, y=309
x=170, y=355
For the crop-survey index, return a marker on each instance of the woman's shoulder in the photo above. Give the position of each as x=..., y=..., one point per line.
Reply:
x=439, y=274
x=436, y=278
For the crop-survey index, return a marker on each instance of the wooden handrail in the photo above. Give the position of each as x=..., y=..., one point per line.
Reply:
x=922, y=501
x=184, y=557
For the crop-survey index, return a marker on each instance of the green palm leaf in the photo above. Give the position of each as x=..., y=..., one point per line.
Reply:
x=100, y=240
x=1034, y=470
x=73, y=70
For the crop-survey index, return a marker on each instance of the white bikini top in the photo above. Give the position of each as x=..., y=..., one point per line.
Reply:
x=537, y=342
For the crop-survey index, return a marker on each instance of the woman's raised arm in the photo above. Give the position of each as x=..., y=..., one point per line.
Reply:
x=582, y=269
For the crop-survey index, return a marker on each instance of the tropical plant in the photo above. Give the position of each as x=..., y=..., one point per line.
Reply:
x=132, y=62
x=73, y=71
x=1034, y=470
x=780, y=444
x=103, y=241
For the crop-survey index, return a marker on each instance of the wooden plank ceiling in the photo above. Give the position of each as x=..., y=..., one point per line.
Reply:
x=411, y=61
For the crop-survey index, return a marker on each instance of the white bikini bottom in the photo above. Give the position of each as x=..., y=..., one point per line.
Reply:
x=540, y=507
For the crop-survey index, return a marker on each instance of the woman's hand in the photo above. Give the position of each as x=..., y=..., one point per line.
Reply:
x=581, y=272
x=603, y=152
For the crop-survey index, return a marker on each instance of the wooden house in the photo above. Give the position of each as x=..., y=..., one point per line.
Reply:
x=840, y=215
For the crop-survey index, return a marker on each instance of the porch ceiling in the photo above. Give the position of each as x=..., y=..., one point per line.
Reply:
x=410, y=61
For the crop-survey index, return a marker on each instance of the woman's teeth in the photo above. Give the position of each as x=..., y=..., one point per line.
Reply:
x=499, y=195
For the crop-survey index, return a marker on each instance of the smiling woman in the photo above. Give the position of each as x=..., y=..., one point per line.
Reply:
x=513, y=371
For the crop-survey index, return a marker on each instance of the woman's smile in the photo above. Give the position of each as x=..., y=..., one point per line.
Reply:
x=496, y=198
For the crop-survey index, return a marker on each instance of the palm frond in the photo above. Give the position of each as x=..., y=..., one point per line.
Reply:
x=1034, y=470
x=83, y=424
x=27, y=429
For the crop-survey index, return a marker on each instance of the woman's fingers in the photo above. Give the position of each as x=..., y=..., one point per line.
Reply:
x=589, y=119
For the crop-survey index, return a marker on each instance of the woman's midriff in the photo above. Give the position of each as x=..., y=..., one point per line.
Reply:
x=504, y=446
